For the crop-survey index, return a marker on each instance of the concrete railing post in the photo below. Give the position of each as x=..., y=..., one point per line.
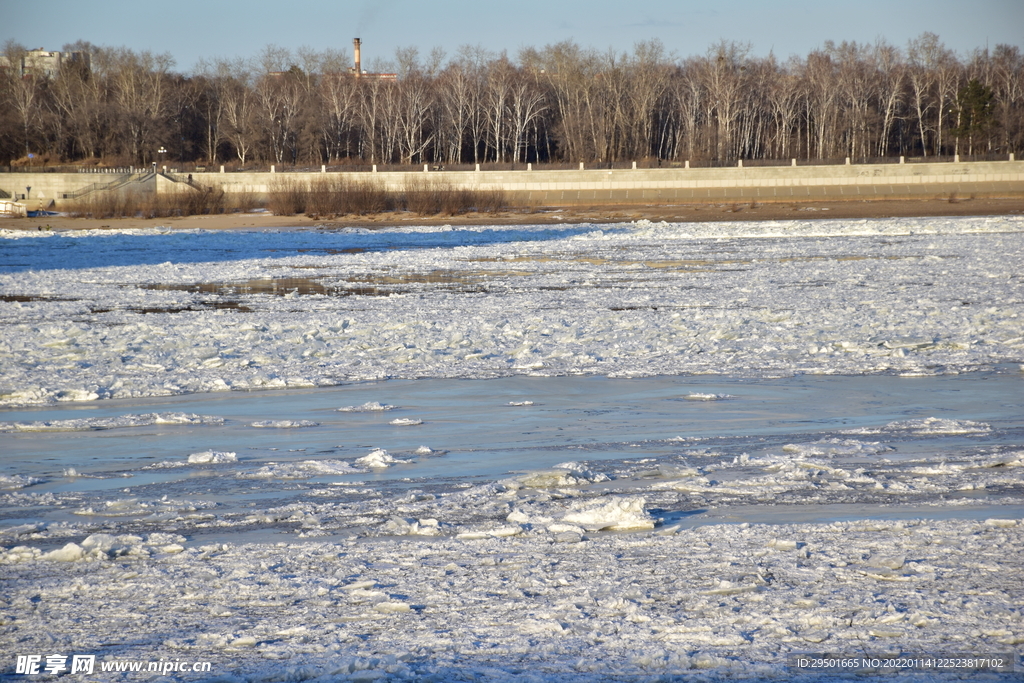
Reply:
x=739, y=163
x=272, y=169
x=902, y=159
x=478, y=168
x=634, y=165
x=1011, y=156
x=426, y=168
x=222, y=168
x=956, y=158
x=375, y=168
x=794, y=162
x=581, y=165
x=529, y=166
x=323, y=168
x=687, y=164
x=847, y=161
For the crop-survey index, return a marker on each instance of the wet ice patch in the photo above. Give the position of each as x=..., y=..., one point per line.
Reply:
x=305, y=469
x=695, y=396
x=369, y=407
x=563, y=475
x=836, y=447
x=929, y=426
x=118, y=422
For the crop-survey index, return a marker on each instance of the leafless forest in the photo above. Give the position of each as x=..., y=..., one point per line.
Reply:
x=561, y=104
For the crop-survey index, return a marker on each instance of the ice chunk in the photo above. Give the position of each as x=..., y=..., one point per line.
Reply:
x=887, y=561
x=377, y=459
x=369, y=407
x=1004, y=523
x=406, y=422
x=212, y=457
x=17, y=481
x=69, y=553
x=401, y=526
x=615, y=514
x=77, y=395
x=284, y=424
x=391, y=607
x=566, y=474
x=520, y=403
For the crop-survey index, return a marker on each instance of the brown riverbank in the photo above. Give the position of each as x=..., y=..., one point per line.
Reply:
x=734, y=211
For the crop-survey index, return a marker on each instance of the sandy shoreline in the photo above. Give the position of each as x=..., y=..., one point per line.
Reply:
x=733, y=211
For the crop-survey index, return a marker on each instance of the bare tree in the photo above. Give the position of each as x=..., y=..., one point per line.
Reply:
x=235, y=92
x=138, y=83
x=23, y=94
x=890, y=87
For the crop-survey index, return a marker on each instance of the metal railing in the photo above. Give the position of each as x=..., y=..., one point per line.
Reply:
x=358, y=165
x=106, y=187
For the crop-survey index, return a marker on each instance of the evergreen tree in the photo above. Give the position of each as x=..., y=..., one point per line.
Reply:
x=975, y=112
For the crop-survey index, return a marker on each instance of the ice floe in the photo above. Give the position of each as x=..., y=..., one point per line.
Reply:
x=906, y=296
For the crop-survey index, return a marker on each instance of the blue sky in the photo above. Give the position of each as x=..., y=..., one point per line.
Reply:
x=191, y=29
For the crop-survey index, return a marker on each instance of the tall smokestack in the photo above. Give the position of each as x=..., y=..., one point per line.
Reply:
x=355, y=48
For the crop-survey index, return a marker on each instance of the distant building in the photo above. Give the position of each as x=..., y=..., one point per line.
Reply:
x=357, y=69
x=42, y=63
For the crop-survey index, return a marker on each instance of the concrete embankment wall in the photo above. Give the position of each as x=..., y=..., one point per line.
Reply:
x=598, y=186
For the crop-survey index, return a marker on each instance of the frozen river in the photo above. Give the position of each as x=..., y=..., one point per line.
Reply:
x=527, y=453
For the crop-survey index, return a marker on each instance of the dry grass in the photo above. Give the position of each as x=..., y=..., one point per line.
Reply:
x=432, y=197
x=338, y=196
x=324, y=197
x=149, y=205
